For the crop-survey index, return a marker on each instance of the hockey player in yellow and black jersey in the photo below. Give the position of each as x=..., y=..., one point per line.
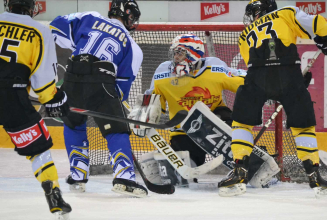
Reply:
x=28, y=61
x=268, y=47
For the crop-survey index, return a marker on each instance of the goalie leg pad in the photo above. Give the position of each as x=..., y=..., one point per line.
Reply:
x=209, y=132
x=150, y=167
x=262, y=167
x=168, y=174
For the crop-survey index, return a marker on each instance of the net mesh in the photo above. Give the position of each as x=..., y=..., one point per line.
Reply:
x=154, y=41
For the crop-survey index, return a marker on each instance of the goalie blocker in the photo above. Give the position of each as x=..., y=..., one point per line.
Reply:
x=214, y=136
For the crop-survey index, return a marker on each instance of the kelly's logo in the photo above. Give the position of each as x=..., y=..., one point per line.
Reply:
x=312, y=8
x=198, y=94
x=40, y=7
x=210, y=10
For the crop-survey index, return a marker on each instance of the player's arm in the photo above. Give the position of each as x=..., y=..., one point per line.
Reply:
x=43, y=76
x=307, y=26
x=64, y=28
x=128, y=69
x=231, y=83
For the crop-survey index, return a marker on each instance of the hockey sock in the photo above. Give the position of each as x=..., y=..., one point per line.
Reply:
x=77, y=147
x=120, y=156
x=44, y=168
x=242, y=143
x=306, y=144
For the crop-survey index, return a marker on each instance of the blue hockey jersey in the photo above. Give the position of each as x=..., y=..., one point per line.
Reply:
x=107, y=39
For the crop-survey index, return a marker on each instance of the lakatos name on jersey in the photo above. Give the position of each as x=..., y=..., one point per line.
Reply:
x=111, y=30
x=262, y=20
x=16, y=32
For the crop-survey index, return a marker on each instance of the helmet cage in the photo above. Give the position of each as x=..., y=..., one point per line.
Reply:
x=187, y=49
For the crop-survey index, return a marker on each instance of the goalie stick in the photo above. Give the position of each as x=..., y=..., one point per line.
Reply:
x=160, y=189
x=172, y=157
x=177, y=119
x=280, y=107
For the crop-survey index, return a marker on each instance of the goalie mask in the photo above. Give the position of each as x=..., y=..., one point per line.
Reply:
x=25, y=7
x=256, y=9
x=186, y=52
x=128, y=10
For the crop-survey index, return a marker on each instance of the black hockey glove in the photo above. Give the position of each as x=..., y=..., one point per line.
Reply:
x=307, y=79
x=321, y=43
x=58, y=106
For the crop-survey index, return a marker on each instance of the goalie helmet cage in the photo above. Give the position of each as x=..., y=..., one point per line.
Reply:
x=155, y=40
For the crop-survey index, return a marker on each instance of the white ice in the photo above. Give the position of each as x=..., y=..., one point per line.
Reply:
x=21, y=198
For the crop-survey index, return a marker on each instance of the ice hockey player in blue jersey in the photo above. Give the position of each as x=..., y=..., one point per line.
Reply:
x=105, y=61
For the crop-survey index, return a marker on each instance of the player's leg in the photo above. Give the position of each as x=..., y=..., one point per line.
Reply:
x=301, y=118
x=247, y=112
x=75, y=136
x=117, y=136
x=32, y=139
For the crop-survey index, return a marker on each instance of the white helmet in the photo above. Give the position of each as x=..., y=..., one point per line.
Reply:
x=186, y=50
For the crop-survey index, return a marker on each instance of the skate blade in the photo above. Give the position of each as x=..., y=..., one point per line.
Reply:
x=61, y=216
x=77, y=187
x=320, y=192
x=121, y=189
x=234, y=190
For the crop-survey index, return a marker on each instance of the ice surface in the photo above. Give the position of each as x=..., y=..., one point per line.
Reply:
x=21, y=198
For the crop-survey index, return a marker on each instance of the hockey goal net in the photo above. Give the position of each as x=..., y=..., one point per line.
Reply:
x=155, y=41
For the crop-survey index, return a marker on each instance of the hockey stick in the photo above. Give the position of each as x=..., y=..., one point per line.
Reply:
x=177, y=119
x=280, y=107
x=172, y=157
x=160, y=189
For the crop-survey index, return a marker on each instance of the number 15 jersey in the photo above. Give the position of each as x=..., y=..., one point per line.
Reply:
x=287, y=24
x=30, y=43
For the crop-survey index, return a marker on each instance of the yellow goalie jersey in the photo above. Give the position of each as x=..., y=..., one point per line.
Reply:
x=287, y=24
x=206, y=85
x=28, y=42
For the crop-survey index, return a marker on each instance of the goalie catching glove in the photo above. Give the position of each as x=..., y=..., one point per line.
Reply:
x=58, y=106
x=146, y=109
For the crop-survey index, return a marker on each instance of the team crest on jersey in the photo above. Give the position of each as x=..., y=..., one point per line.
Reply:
x=198, y=94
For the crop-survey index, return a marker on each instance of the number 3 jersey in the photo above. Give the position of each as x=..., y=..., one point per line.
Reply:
x=28, y=42
x=287, y=24
x=107, y=39
x=206, y=85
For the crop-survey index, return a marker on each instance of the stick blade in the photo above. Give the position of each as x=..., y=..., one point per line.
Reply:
x=195, y=172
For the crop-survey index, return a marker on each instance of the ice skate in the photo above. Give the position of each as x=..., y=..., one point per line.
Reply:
x=128, y=187
x=77, y=186
x=316, y=182
x=235, y=182
x=56, y=203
